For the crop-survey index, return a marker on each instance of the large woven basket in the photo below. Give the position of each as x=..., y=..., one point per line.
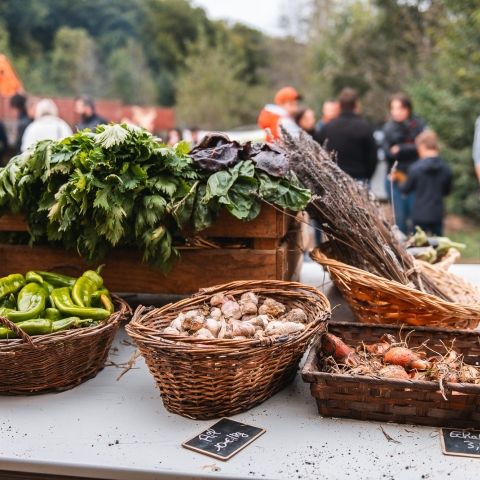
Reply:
x=375, y=299
x=415, y=402
x=57, y=361
x=212, y=378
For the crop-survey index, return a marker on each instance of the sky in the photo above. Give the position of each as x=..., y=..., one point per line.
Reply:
x=261, y=14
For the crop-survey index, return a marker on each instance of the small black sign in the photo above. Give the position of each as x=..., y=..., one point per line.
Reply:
x=465, y=443
x=224, y=439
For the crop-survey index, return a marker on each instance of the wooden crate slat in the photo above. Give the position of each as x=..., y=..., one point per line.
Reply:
x=270, y=223
x=125, y=272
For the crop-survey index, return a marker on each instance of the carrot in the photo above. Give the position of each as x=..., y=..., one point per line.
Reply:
x=340, y=351
x=394, y=371
x=406, y=358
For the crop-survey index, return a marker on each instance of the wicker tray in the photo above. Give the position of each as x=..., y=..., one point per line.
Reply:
x=400, y=401
x=374, y=299
x=57, y=361
x=212, y=378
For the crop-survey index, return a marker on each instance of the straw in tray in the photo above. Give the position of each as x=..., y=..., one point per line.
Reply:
x=358, y=232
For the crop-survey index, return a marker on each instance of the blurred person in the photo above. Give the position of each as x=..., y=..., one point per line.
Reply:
x=330, y=111
x=274, y=117
x=24, y=119
x=194, y=135
x=400, y=133
x=305, y=119
x=430, y=179
x=351, y=137
x=46, y=126
x=3, y=142
x=476, y=148
x=85, y=108
x=174, y=135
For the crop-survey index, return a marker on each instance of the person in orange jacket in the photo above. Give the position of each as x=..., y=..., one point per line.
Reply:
x=280, y=114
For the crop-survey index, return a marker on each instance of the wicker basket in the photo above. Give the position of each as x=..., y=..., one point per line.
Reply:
x=205, y=379
x=400, y=401
x=57, y=361
x=374, y=299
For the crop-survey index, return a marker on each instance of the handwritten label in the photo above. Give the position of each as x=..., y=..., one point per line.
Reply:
x=224, y=439
x=461, y=442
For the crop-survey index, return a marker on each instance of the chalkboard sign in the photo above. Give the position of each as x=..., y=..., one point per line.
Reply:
x=465, y=443
x=224, y=439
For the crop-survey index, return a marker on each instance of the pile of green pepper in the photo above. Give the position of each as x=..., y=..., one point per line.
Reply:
x=46, y=302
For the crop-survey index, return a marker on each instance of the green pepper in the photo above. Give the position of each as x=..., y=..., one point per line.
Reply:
x=11, y=284
x=94, y=276
x=96, y=296
x=85, y=286
x=57, y=279
x=32, y=276
x=37, y=326
x=31, y=303
x=9, y=302
x=53, y=314
x=47, y=286
x=63, y=301
x=107, y=303
x=64, y=324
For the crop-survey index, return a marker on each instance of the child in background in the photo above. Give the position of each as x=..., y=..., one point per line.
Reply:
x=430, y=179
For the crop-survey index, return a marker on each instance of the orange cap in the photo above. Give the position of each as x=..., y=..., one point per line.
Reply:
x=286, y=94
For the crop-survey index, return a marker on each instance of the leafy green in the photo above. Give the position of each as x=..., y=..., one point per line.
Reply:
x=118, y=186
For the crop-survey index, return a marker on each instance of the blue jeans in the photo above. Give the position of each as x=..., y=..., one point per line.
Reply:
x=402, y=206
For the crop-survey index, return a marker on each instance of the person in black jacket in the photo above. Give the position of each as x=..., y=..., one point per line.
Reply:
x=19, y=103
x=351, y=137
x=430, y=179
x=85, y=109
x=3, y=142
x=399, y=146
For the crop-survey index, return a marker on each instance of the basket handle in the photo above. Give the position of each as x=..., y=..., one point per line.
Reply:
x=10, y=325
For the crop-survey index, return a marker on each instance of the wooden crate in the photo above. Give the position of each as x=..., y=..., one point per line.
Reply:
x=274, y=254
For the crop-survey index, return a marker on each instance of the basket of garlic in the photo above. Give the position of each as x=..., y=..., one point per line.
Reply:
x=229, y=347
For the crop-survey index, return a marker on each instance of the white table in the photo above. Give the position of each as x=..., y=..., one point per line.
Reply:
x=119, y=430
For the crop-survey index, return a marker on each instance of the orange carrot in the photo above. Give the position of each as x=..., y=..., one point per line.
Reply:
x=406, y=358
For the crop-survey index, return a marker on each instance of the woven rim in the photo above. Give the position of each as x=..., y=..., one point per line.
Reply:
x=27, y=342
x=147, y=324
x=346, y=274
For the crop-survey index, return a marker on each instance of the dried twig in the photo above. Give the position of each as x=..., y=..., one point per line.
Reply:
x=388, y=437
x=357, y=230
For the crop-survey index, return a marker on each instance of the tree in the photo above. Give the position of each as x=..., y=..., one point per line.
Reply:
x=211, y=90
x=130, y=77
x=75, y=68
x=448, y=95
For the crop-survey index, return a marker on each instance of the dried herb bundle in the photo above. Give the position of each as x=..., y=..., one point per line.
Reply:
x=359, y=234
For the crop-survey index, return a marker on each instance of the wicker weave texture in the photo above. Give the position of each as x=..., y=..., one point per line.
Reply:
x=400, y=401
x=205, y=379
x=58, y=361
x=374, y=299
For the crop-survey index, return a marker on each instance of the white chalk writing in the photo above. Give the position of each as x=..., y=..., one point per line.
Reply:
x=230, y=438
x=209, y=435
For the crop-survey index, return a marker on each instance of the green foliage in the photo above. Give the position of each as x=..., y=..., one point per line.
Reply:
x=131, y=79
x=210, y=69
x=75, y=67
x=143, y=45
x=120, y=186
x=449, y=98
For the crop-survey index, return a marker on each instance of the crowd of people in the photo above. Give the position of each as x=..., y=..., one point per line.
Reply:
x=40, y=120
x=417, y=178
